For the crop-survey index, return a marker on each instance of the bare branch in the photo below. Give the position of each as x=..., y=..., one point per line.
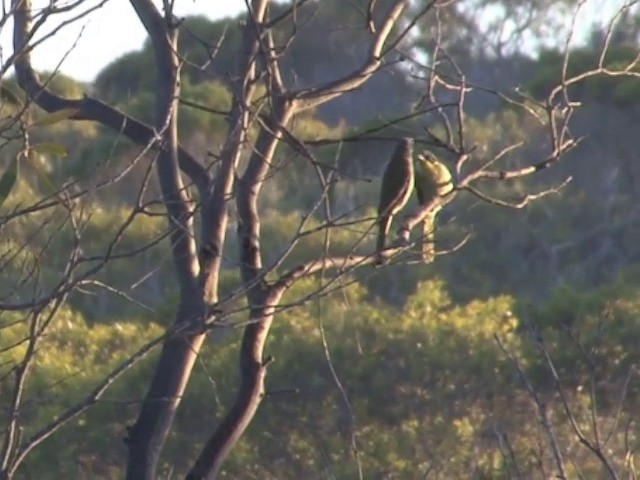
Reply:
x=215, y=210
x=525, y=200
x=88, y=108
x=313, y=97
x=80, y=407
x=291, y=11
x=593, y=447
x=541, y=410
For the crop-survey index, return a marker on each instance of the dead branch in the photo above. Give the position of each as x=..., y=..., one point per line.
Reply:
x=88, y=108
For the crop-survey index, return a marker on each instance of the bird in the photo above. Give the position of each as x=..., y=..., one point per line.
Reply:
x=432, y=180
x=395, y=190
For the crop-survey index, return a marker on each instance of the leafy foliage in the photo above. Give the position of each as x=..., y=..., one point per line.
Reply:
x=414, y=346
x=428, y=387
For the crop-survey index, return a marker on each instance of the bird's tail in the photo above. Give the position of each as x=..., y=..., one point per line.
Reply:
x=429, y=237
x=383, y=231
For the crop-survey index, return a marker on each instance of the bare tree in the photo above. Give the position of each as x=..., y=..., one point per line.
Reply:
x=197, y=253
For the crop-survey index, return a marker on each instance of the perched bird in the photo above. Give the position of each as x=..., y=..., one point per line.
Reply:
x=433, y=179
x=396, y=188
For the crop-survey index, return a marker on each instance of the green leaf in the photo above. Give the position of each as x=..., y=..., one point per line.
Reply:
x=50, y=148
x=55, y=117
x=8, y=180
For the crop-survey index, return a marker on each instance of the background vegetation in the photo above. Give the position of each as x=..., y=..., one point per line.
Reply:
x=443, y=370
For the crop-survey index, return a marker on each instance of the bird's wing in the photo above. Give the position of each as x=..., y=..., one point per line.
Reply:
x=397, y=183
x=426, y=187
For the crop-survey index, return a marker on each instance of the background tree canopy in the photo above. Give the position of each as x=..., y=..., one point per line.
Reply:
x=454, y=369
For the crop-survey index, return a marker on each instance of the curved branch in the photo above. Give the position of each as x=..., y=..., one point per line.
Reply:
x=315, y=96
x=524, y=171
x=150, y=17
x=327, y=263
x=263, y=298
x=523, y=201
x=262, y=303
x=91, y=399
x=252, y=366
x=410, y=221
x=291, y=11
x=249, y=397
x=88, y=108
x=215, y=210
x=179, y=352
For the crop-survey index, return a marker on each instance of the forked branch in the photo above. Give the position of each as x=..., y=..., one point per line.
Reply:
x=88, y=108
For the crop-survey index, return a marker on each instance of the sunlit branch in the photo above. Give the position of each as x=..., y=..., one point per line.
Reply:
x=88, y=108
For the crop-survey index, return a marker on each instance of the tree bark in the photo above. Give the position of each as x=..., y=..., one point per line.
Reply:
x=262, y=299
x=87, y=108
x=169, y=381
x=181, y=347
x=197, y=270
x=179, y=352
x=250, y=393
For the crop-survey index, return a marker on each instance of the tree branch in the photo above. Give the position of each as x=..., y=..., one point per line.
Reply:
x=88, y=108
x=261, y=303
x=179, y=352
x=262, y=300
x=215, y=209
x=310, y=98
x=410, y=221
